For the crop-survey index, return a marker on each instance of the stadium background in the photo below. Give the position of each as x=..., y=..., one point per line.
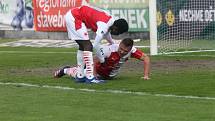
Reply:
x=135, y=12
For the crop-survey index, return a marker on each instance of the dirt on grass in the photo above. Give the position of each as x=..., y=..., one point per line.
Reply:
x=170, y=65
x=133, y=66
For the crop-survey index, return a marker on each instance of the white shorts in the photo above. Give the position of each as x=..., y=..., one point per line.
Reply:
x=73, y=34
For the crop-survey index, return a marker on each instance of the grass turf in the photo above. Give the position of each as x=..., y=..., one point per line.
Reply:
x=38, y=104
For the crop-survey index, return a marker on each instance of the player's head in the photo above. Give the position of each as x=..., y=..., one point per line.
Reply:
x=125, y=46
x=119, y=26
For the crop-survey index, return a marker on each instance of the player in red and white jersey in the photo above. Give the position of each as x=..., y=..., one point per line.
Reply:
x=78, y=20
x=115, y=56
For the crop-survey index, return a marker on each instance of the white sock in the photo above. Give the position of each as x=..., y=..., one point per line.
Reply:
x=71, y=71
x=88, y=59
x=80, y=64
x=65, y=70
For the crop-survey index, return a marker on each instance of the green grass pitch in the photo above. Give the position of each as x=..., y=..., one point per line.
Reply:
x=181, y=88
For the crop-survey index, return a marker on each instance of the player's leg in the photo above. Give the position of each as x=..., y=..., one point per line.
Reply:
x=72, y=71
x=73, y=34
x=80, y=64
x=87, y=48
x=61, y=72
x=67, y=70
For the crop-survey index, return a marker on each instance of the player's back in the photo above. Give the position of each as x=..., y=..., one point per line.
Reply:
x=90, y=16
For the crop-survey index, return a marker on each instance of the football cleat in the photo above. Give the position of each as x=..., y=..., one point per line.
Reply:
x=80, y=80
x=59, y=73
x=94, y=81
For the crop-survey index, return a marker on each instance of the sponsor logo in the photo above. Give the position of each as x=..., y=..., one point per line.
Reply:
x=170, y=18
x=200, y=15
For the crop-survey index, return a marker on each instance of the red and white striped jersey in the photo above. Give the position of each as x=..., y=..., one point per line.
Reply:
x=113, y=62
x=94, y=19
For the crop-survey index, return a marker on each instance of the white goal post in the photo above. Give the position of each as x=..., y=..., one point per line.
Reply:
x=153, y=27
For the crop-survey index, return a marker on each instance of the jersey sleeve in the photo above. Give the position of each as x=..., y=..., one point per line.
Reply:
x=100, y=33
x=136, y=53
x=99, y=36
x=103, y=52
x=108, y=37
x=102, y=28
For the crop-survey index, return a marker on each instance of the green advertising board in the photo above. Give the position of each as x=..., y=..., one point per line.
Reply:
x=136, y=12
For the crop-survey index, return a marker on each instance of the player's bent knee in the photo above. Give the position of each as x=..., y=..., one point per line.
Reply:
x=85, y=45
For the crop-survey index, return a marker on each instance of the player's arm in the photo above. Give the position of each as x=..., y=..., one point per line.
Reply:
x=138, y=54
x=109, y=38
x=97, y=46
x=101, y=32
x=146, y=61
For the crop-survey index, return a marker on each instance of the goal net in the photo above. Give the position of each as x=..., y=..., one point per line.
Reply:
x=185, y=25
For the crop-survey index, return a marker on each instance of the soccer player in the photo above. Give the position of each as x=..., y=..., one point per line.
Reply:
x=115, y=56
x=78, y=20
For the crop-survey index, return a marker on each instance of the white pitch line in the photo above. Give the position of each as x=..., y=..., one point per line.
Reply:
x=194, y=51
x=108, y=91
x=189, y=55
x=34, y=52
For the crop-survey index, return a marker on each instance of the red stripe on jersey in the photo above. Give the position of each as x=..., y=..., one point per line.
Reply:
x=110, y=63
x=89, y=16
x=137, y=54
x=76, y=14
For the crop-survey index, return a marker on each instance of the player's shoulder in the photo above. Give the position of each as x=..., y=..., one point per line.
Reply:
x=106, y=22
x=133, y=50
x=104, y=26
x=110, y=48
x=114, y=47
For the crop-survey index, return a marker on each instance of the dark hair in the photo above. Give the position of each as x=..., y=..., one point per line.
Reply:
x=128, y=42
x=122, y=25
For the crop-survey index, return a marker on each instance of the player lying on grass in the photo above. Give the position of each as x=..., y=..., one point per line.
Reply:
x=115, y=56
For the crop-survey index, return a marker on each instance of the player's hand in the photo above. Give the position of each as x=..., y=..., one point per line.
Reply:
x=145, y=78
